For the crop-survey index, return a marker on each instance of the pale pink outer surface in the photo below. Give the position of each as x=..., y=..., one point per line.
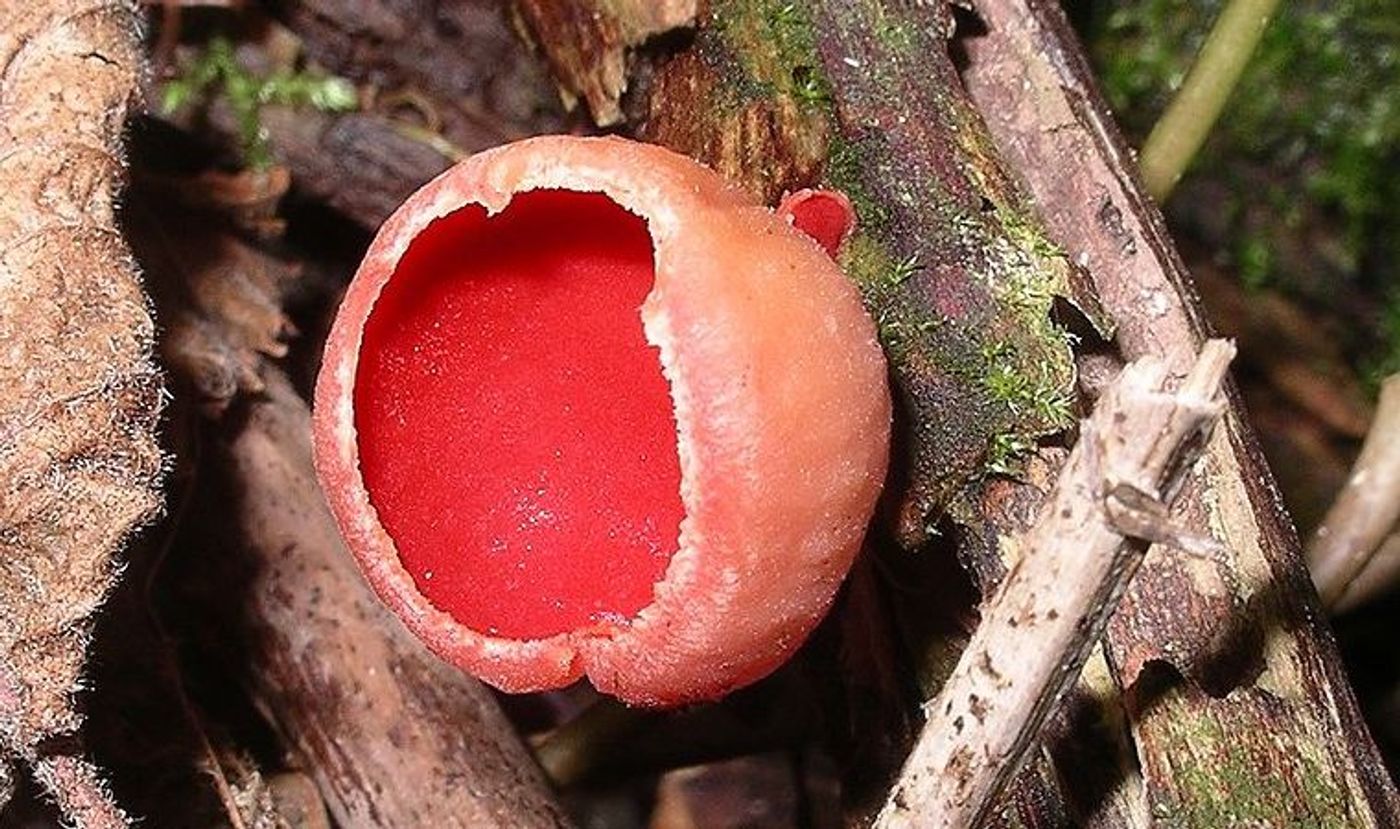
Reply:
x=782, y=410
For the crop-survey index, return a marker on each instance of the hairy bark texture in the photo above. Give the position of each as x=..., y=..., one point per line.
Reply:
x=79, y=395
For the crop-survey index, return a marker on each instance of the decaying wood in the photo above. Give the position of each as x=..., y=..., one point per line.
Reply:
x=437, y=82
x=767, y=790
x=952, y=264
x=392, y=735
x=1267, y=689
x=79, y=394
x=1355, y=554
x=295, y=796
x=1038, y=628
x=864, y=97
x=319, y=148
x=586, y=43
x=460, y=64
x=443, y=80
x=219, y=298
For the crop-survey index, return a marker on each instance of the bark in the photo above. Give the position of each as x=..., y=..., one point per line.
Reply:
x=393, y=736
x=1267, y=728
x=79, y=394
x=480, y=83
x=587, y=43
x=1038, y=628
x=1218, y=681
x=218, y=297
x=322, y=150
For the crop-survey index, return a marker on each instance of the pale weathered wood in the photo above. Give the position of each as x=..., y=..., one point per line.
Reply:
x=1354, y=555
x=1038, y=628
x=1264, y=727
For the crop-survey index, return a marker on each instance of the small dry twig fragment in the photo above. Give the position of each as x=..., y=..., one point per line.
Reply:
x=1355, y=554
x=586, y=43
x=79, y=394
x=1039, y=626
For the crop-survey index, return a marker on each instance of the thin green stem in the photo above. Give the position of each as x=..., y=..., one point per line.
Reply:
x=1189, y=118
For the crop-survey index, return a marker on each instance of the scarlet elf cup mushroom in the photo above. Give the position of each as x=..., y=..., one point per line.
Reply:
x=587, y=410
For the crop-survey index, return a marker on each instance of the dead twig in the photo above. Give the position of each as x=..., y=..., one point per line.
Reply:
x=1038, y=628
x=1355, y=554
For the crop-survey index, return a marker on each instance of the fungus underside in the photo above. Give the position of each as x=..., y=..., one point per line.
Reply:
x=516, y=434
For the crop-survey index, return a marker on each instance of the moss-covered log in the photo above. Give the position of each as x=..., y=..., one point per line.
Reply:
x=863, y=97
x=1244, y=716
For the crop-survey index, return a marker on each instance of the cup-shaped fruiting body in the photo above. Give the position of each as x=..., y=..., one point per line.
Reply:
x=587, y=410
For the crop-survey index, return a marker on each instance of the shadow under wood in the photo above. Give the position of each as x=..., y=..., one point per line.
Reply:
x=1234, y=659
x=1089, y=744
x=141, y=725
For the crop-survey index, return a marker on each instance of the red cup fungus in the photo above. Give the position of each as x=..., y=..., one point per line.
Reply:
x=587, y=410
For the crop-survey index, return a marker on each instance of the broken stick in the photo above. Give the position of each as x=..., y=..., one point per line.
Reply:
x=1353, y=555
x=1038, y=628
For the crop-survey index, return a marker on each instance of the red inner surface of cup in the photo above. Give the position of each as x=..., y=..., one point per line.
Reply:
x=516, y=434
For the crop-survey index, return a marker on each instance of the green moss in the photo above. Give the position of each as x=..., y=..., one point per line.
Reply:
x=843, y=171
x=1304, y=151
x=1005, y=453
x=1025, y=370
x=1017, y=365
x=1219, y=781
x=1026, y=233
x=905, y=269
x=895, y=35
x=217, y=74
x=775, y=45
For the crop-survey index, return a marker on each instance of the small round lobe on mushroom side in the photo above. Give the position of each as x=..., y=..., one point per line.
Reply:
x=517, y=437
x=824, y=215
